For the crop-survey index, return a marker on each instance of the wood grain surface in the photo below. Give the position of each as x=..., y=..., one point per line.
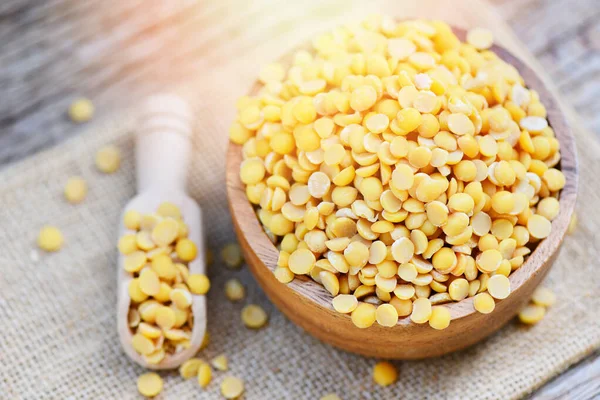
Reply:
x=115, y=52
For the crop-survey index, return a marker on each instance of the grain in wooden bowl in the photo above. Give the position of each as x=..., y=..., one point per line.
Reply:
x=473, y=116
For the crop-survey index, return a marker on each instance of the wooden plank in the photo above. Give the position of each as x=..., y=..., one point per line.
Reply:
x=579, y=383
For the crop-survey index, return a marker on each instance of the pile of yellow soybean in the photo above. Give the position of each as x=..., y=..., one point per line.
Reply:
x=400, y=168
x=157, y=250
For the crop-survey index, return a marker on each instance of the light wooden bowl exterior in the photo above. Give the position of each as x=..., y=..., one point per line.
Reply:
x=308, y=304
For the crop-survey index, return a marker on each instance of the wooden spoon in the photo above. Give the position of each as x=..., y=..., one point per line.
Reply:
x=308, y=304
x=162, y=153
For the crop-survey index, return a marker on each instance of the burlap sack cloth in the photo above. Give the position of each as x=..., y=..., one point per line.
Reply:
x=58, y=336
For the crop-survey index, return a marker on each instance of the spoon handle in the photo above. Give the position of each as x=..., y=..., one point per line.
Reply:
x=163, y=143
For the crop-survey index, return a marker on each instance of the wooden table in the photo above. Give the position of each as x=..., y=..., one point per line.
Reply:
x=53, y=51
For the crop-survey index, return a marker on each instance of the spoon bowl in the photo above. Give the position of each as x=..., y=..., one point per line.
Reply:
x=308, y=304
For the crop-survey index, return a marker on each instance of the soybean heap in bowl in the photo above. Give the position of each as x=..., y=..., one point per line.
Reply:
x=400, y=168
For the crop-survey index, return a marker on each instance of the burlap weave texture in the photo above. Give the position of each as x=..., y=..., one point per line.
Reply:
x=58, y=337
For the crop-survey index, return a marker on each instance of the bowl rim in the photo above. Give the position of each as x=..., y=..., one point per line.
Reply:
x=310, y=290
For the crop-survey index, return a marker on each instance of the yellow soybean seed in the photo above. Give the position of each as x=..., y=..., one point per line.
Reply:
x=165, y=232
x=142, y=344
x=334, y=154
x=149, y=384
x=403, y=250
x=363, y=98
x=377, y=123
x=324, y=127
x=401, y=48
x=163, y=265
x=149, y=331
x=232, y=387
x=480, y=38
x=189, y=368
x=220, y=362
x=168, y=209
x=489, y=260
x=419, y=157
x=231, y=254
x=165, y=317
x=356, y=254
x=330, y=282
x=402, y=177
x=186, y=250
x=407, y=272
x=371, y=188
x=408, y=119
x=148, y=221
x=182, y=274
x=318, y=184
x=444, y=260
x=147, y=310
x=143, y=240
x=345, y=303
x=81, y=110
x=301, y=261
x=181, y=316
x=132, y=219
x=502, y=228
x=252, y=171
x=50, y=238
x=155, y=357
x=135, y=261
x=429, y=126
x=204, y=374
x=253, y=316
x=548, y=208
x=543, y=297
x=461, y=202
x=458, y=289
x=465, y=170
x=488, y=146
x=127, y=244
x=437, y=213
x=149, y=282
x=538, y=226
x=75, y=190
x=484, y=303
x=386, y=315
x=239, y=134
x=421, y=311
x=234, y=290
x=283, y=275
x=198, y=283
x=364, y=315
x=108, y=159
x=460, y=124
x=498, y=286
x=384, y=373
x=440, y=318
x=181, y=298
x=532, y=314
x=426, y=101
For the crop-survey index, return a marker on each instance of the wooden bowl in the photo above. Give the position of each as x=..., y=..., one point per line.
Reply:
x=308, y=304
